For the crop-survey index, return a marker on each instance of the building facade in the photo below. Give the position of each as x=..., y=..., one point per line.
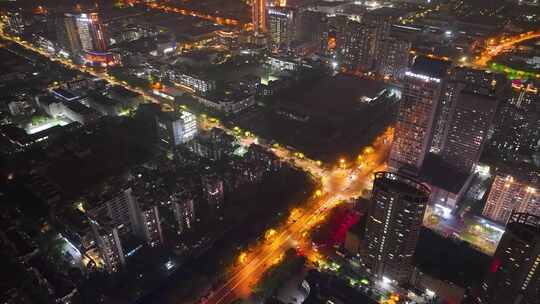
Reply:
x=108, y=240
x=356, y=46
x=80, y=33
x=281, y=26
x=259, y=15
x=514, y=275
x=176, y=129
x=119, y=206
x=68, y=35
x=424, y=85
x=517, y=125
x=150, y=225
x=509, y=193
x=393, y=59
x=183, y=207
x=90, y=32
x=15, y=23
x=394, y=221
x=213, y=191
x=451, y=94
x=467, y=130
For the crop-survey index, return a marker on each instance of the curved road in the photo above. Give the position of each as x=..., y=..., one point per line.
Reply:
x=338, y=184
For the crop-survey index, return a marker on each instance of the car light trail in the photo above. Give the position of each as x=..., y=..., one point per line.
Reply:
x=336, y=188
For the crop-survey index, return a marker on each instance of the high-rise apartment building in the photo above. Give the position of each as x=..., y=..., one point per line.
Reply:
x=150, y=225
x=183, y=207
x=68, y=35
x=90, y=32
x=118, y=205
x=259, y=16
x=281, y=26
x=444, y=111
x=393, y=58
x=424, y=85
x=510, y=193
x=468, y=123
x=113, y=217
x=379, y=22
x=517, y=126
x=514, y=275
x=393, y=225
x=108, y=236
x=78, y=33
x=356, y=44
x=382, y=20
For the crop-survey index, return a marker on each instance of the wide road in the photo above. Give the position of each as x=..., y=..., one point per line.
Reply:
x=345, y=181
x=495, y=48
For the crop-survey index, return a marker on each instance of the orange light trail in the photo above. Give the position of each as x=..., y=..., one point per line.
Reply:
x=188, y=12
x=504, y=45
x=338, y=184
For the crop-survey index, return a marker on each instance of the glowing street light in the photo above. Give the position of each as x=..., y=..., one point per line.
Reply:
x=242, y=258
x=270, y=233
x=342, y=163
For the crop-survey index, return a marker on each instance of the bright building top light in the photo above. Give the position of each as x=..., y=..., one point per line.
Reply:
x=422, y=77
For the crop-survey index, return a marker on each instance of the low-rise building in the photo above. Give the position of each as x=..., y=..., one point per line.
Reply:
x=228, y=102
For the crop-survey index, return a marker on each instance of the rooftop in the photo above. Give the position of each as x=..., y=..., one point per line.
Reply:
x=79, y=108
x=430, y=66
x=64, y=94
x=401, y=183
x=124, y=92
x=441, y=175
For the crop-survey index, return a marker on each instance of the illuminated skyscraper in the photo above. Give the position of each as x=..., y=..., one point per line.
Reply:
x=80, y=33
x=424, y=85
x=393, y=58
x=281, y=24
x=394, y=221
x=90, y=32
x=357, y=45
x=259, y=16
x=512, y=193
x=514, y=275
x=470, y=117
x=517, y=126
x=68, y=35
x=444, y=111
